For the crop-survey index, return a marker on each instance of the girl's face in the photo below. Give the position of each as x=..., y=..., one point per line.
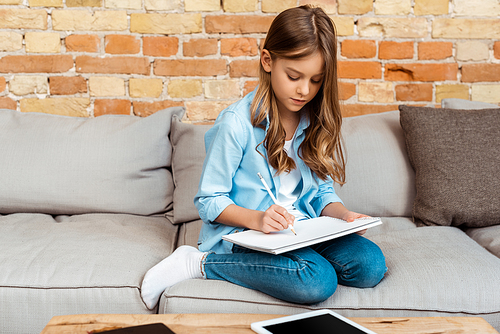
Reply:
x=295, y=82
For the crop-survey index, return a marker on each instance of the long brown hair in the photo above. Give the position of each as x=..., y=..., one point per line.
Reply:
x=296, y=33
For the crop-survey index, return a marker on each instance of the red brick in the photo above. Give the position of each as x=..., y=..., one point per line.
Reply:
x=249, y=86
x=121, y=65
x=8, y=103
x=346, y=90
x=496, y=50
x=480, y=72
x=421, y=72
x=414, y=92
x=359, y=49
x=67, y=85
x=144, y=109
x=395, y=50
x=359, y=70
x=236, y=47
x=82, y=43
x=111, y=107
x=244, y=68
x=237, y=24
x=3, y=84
x=36, y=64
x=435, y=50
x=122, y=44
x=350, y=110
x=190, y=67
x=160, y=46
x=200, y=47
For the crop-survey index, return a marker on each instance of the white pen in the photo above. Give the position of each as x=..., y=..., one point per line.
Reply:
x=272, y=196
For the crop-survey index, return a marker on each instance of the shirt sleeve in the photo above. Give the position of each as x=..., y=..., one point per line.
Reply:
x=325, y=195
x=224, y=144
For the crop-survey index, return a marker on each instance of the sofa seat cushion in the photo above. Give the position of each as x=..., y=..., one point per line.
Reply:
x=433, y=271
x=390, y=224
x=91, y=263
x=488, y=237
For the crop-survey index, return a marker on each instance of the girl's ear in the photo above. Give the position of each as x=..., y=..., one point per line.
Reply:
x=266, y=60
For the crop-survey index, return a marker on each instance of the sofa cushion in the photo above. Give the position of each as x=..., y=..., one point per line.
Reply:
x=68, y=165
x=382, y=187
x=452, y=103
x=187, y=163
x=488, y=237
x=189, y=233
x=456, y=157
x=56, y=266
x=433, y=271
x=379, y=177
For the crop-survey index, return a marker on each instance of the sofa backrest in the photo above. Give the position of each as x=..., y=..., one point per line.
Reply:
x=380, y=180
x=66, y=165
x=453, y=103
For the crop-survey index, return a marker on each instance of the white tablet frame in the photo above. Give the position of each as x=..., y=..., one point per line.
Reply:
x=258, y=327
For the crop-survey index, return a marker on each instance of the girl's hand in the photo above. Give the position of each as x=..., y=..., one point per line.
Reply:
x=350, y=216
x=274, y=219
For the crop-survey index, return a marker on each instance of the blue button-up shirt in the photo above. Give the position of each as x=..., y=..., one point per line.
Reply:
x=230, y=175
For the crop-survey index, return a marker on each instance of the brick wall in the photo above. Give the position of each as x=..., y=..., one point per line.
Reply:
x=93, y=57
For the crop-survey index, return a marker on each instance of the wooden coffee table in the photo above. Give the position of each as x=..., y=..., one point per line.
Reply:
x=240, y=323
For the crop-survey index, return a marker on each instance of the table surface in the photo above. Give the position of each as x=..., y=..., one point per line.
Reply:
x=240, y=323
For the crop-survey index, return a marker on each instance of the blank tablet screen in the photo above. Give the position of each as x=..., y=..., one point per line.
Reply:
x=322, y=324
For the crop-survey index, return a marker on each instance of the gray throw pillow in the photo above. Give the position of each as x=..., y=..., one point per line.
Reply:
x=68, y=165
x=456, y=157
x=187, y=163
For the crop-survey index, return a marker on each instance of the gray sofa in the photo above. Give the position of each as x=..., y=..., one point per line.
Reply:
x=87, y=206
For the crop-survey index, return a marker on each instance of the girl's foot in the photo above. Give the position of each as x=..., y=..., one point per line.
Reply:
x=184, y=263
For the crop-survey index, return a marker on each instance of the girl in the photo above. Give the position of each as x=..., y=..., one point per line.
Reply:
x=288, y=130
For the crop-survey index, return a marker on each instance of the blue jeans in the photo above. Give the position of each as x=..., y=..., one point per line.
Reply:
x=306, y=276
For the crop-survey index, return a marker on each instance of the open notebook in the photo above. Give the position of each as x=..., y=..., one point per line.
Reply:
x=309, y=232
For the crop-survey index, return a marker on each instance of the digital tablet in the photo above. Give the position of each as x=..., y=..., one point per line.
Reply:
x=155, y=328
x=314, y=322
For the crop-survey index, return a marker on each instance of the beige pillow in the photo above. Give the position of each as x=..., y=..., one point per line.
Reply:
x=379, y=178
x=452, y=103
x=456, y=157
x=68, y=165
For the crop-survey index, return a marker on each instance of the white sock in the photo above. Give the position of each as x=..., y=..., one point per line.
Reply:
x=184, y=263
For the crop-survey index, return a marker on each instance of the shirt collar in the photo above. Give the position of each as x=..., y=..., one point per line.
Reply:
x=303, y=123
